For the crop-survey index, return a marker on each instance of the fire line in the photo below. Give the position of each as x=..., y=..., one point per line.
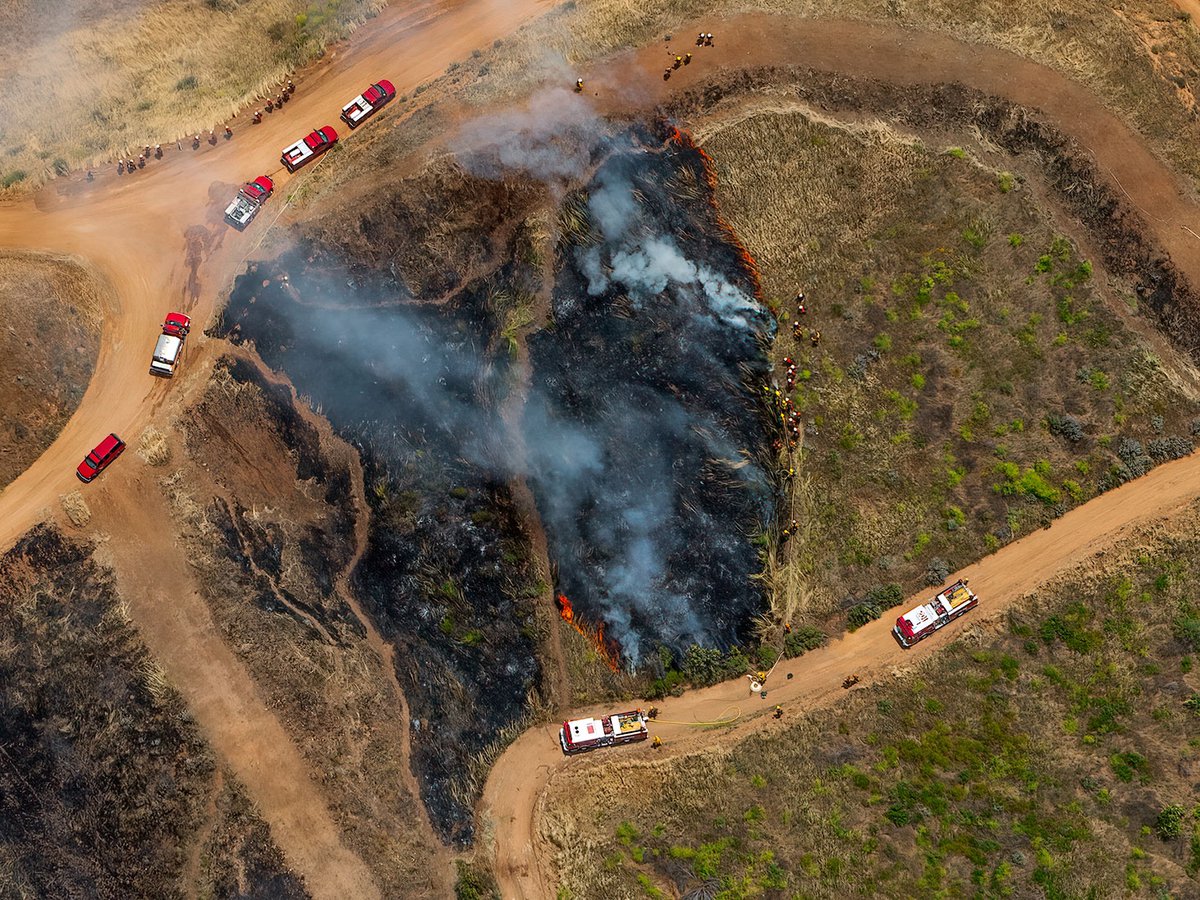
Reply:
x=606, y=647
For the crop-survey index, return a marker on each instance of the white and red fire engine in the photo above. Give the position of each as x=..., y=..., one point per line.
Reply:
x=954, y=601
x=582, y=735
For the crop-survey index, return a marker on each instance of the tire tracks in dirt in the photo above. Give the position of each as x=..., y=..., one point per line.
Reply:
x=175, y=622
x=140, y=234
x=516, y=788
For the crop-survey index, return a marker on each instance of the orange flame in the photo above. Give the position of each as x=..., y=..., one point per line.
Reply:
x=607, y=648
x=685, y=141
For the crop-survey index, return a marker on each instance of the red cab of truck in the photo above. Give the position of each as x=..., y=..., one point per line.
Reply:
x=177, y=325
x=259, y=189
x=100, y=458
x=308, y=148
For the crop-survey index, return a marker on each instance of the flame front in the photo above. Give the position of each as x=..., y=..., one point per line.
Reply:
x=608, y=649
x=684, y=140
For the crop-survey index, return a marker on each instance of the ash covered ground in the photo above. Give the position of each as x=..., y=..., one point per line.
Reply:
x=447, y=568
x=640, y=436
x=106, y=785
x=644, y=443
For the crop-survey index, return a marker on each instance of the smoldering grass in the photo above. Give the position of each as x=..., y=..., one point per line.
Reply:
x=468, y=790
x=574, y=221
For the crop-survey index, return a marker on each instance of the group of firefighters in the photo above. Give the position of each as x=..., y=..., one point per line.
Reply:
x=276, y=102
x=703, y=39
x=789, y=416
x=131, y=165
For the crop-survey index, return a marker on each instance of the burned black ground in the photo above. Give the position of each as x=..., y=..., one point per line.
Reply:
x=269, y=511
x=447, y=571
x=104, y=778
x=643, y=417
x=411, y=355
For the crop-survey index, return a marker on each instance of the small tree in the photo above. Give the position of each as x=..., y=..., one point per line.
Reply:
x=862, y=613
x=702, y=665
x=1170, y=822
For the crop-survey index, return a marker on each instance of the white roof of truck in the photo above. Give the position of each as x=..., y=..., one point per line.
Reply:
x=585, y=729
x=297, y=151
x=167, y=347
x=950, y=599
x=921, y=617
x=241, y=209
x=357, y=109
x=591, y=729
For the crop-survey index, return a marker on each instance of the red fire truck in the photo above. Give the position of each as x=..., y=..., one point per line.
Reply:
x=920, y=623
x=582, y=735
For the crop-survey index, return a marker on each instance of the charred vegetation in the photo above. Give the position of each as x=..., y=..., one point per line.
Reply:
x=447, y=573
x=273, y=527
x=642, y=435
x=104, y=779
x=650, y=462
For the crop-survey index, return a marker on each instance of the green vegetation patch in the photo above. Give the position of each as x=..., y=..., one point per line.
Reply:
x=1056, y=763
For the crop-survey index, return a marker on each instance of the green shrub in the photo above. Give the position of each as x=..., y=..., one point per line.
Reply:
x=1126, y=765
x=474, y=884
x=802, y=639
x=862, y=613
x=187, y=83
x=1187, y=629
x=1169, y=823
x=702, y=665
x=886, y=595
x=14, y=177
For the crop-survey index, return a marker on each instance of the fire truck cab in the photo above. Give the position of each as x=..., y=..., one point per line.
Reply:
x=919, y=623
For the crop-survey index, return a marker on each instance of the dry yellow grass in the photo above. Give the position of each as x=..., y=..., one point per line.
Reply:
x=119, y=81
x=153, y=447
x=1137, y=54
x=50, y=313
x=76, y=508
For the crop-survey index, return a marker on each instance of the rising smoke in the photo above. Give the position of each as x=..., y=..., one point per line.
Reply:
x=639, y=433
x=636, y=458
x=640, y=429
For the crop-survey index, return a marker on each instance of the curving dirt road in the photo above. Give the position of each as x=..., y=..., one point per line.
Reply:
x=159, y=241
x=519, y=778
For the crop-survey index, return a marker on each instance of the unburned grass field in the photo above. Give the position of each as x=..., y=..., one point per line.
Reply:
x=1056, y=759
x=975, y=375
x=81, y=83
x=50, y=314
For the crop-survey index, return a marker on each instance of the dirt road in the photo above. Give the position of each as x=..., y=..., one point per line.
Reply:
x=903, y=56
x=158, y=239
x=175, y=622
